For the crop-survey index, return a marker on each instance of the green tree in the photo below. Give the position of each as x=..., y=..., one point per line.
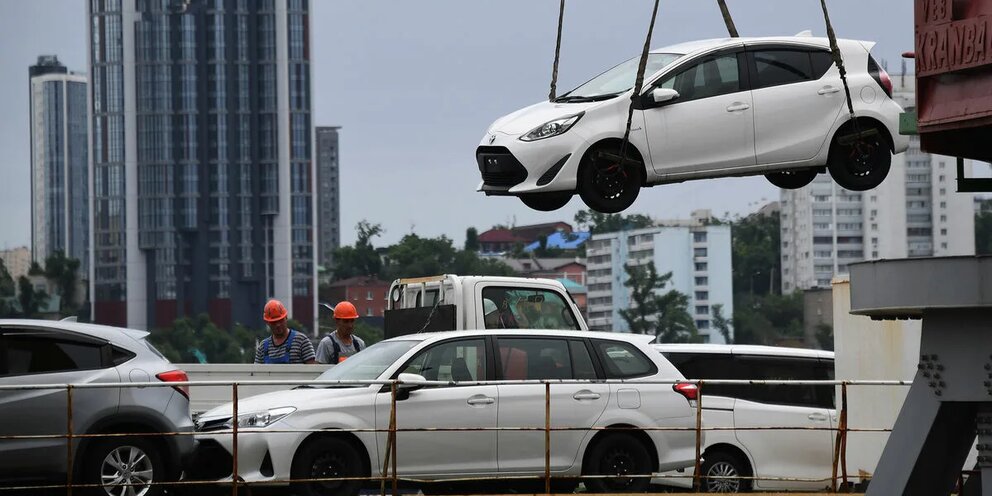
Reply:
x=414, y=256
x=756, y=255
x=825, y=336
x=596, y=222
x=64, y=271
x=665, y=315
x=31, y=300
x=722, y=324
x=471, y=239
x=767, y=319
x=7, y=285
x=983, y=233
x=362, y=259
x=197, y=339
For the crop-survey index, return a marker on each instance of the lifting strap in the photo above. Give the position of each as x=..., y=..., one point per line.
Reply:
x=729, y=21
x=636, y=95
x=554, y=70
x=835, y=52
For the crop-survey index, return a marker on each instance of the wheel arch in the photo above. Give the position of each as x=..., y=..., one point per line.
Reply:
x=631, y=429
x=864, y=122
x=615, y=142
x=733, y=450
x=348, y=437
x=133, y=422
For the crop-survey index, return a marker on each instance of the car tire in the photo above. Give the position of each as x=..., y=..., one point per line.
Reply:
x=326, y=457
x=547, y=202
x=791, y=179
x=123, y=460
x=723, y=464
x=604, y=186
x=618, y=454
x=862, y=165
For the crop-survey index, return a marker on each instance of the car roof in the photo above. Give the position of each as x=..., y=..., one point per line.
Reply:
x=437, y=336
x=690, y=47
x=744, y=349
x=116, y=335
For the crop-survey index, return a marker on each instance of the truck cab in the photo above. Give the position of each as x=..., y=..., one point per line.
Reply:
x=451, y=302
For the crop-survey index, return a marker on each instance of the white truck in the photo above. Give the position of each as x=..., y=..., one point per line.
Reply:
x=451, y=302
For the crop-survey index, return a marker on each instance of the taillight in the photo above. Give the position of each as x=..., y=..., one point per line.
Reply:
x=687, y=389
x=880, y=76
x=176, y=376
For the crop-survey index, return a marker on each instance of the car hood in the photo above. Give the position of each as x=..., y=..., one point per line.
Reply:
x=535, y=115
x=298, y=398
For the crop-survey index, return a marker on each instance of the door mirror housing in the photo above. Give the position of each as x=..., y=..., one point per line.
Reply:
x=663, y=95
x=403, y=390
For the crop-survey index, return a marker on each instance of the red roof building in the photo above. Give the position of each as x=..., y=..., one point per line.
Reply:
x=368, y=294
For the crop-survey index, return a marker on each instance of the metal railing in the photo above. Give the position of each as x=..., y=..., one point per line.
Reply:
x=389, y=473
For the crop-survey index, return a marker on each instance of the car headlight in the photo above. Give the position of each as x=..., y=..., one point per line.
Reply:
x=261, y=419
x=552, y=128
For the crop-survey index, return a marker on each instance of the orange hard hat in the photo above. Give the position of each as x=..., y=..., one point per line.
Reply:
x=345, y=310
x=274, y=311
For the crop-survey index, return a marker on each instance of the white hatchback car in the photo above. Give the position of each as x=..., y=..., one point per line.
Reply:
x=792, y=459
x=713, y=108
x=264, y=455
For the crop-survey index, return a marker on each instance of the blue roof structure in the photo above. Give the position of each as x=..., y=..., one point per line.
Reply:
x=572, y=286
x=561, y=240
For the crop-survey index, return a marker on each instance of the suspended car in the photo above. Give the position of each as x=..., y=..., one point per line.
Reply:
x=715, y=108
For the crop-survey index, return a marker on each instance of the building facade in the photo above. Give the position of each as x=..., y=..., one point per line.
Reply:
x=916, y=212
x=59, y=162
x=201, y=160
x=697, y=254
x=368, y=294
x=17, y=261
x=328, y=195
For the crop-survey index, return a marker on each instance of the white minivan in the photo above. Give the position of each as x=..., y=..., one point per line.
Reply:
x=803, y=456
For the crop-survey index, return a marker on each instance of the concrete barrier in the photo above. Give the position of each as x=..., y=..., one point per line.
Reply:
x=203, y=398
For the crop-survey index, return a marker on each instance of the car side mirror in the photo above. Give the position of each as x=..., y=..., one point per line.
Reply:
x=662, y=95
x=403, y=390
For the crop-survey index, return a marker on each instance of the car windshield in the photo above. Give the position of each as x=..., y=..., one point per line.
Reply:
x=370, y=363
x=618, y=79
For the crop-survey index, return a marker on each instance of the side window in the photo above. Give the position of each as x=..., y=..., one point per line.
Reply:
x=522, y=308
x=623, y=360
x=710, y=366
x=785, y=368
x=38, y=354
x=463, y=360
x=821, y=62
x=582, y=367
x=535, y=359
x=710, y=77
x=777, y=67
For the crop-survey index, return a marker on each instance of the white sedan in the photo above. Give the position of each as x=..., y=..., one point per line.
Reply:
x=713, y=108
x=296, y=433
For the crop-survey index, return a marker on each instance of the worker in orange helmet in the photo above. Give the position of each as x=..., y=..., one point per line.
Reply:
x=342, y=343
x=285, y=345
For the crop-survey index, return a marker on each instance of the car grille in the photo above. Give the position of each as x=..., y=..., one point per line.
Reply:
x=499, y=167
x=216, y=424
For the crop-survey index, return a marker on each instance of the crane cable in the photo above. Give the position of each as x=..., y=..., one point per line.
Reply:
x=638, y=82
x=729, y=21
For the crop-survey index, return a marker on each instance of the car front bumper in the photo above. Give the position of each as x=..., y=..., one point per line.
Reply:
x=262, y=456
x=512, y=167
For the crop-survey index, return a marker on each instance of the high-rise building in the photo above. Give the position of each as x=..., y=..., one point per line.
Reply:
x=916, y=212
x=695, y=252
x=328, y=195
x=201, y=160
x=59, y=162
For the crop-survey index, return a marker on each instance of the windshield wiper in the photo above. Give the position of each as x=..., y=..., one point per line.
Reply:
x=586, y=99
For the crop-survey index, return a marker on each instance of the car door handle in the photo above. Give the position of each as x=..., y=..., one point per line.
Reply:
x=481, y=400
x=817, y=417
x=586, y=395
x=826, y=90
x=737, y=107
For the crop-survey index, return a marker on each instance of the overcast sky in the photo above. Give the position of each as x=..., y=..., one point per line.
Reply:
x=415, y=84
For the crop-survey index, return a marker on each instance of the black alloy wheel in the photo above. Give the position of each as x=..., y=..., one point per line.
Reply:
x=861, y=164
x=622, y=456
x=607, y=187
x=328, y=458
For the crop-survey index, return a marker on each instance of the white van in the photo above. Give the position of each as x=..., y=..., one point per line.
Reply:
x=451, y=302
x=804, y=455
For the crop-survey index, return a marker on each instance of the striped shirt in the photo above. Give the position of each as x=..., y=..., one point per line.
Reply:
x=300, y=350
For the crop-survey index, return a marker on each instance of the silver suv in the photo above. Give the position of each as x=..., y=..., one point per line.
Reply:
x=46, y=352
